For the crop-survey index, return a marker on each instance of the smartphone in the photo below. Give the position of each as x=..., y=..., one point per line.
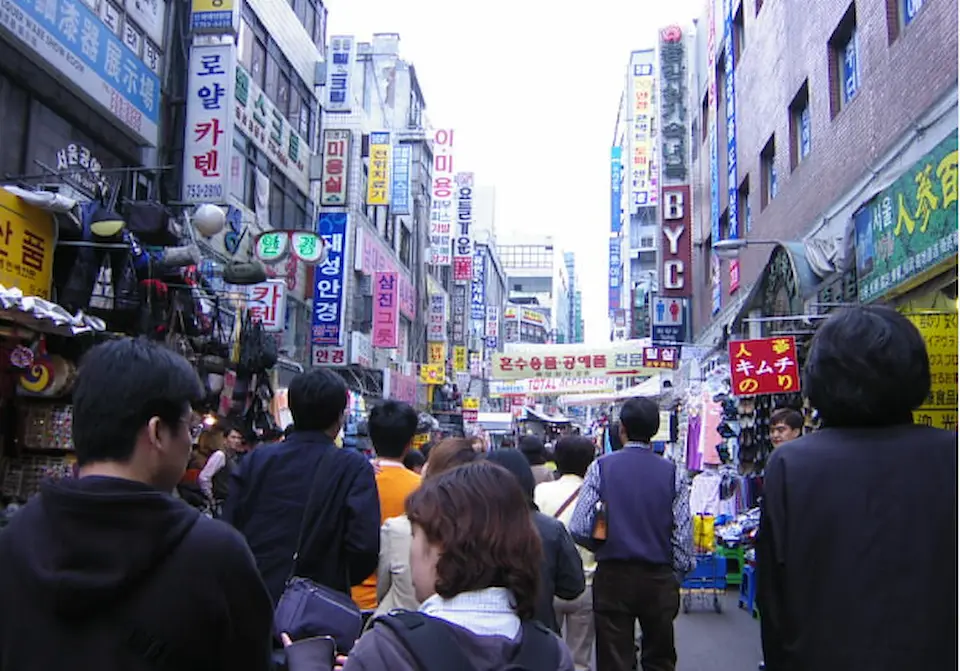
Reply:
x=312, y=654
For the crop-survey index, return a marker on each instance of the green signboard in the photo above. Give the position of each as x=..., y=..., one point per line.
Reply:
x=911, y=226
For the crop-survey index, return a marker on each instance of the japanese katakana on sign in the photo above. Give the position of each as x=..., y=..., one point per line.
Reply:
x=620, y=359
x=764, y=366
x=939, y=332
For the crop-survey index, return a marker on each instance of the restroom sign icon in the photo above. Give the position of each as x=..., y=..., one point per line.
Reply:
x=667, y=311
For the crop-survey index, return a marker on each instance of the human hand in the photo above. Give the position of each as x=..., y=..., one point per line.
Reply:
x=376, y=466
x=341, y=661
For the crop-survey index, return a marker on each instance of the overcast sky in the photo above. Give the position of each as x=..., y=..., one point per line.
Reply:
x=532, y=90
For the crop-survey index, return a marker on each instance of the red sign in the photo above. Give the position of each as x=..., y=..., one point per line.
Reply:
x=734, y=276
x=661, y=357
x=333, y=183
x=764, y=366
x=676, y=259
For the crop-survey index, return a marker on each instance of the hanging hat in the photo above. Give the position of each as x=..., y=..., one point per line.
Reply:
x=105, y=223
x=240, y=272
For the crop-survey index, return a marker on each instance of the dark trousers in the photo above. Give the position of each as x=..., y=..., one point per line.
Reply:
x=627, y=592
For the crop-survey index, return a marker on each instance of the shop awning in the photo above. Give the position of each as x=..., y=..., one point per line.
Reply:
x=649, y=388
x=495, y=421
x=42, y=316
x=545, y=417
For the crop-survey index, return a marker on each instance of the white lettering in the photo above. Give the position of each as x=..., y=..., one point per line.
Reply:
x=673, y=236
x=673, y=275
x=673, y=205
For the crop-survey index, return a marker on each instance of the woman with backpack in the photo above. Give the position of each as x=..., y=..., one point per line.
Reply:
x=475, y=566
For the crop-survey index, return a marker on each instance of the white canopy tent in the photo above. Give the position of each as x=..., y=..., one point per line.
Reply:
x=651, y=388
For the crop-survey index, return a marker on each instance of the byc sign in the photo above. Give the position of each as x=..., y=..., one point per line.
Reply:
x=676, y=254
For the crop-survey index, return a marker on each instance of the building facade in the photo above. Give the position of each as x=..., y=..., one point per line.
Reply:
x=574, y=308
x=533, y=286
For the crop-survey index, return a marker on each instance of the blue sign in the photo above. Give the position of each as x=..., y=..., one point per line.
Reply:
x=910, y=9
x=74, y=39
x=616, y=275
x=478, y=288
x=400, y=181
x=733, y=218
x=616, y=182
x=328, y=313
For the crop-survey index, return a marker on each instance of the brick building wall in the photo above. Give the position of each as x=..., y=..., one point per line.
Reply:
x=903, y=72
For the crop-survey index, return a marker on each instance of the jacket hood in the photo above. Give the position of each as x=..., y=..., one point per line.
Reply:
x=87, y=543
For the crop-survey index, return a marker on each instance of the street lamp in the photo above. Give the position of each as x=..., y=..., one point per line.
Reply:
x=728, y=250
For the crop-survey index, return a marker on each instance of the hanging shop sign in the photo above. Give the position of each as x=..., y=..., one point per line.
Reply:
x=260, y=120
x=716, y=288
x=567, y=360
x=442, y=203
x=437, y=353
x=673, y=106
x=616, y=193
x=273, y=246
x=478, y=288
x=460, y=364
x=547, y=386
x=340, y=60
x=437, y=318
x=268, y=304
x=400, y=387
x=361, y=349
x=378, y=182
x=213, y=17
x=462, y=241
x=615, y=283
x=675, y=245
x=328, y=308
x=764, y=366
x=329, y=356
x=511, y=313
x=80, y=168
x=661, y=357
x=471, y=410
x=433, y=373
x=386, y=311
x=92, y=59
x=336, y=167
x=374, y=256
x=458, y=308
x=27, y=236
x=400, y=194
x=529, y=316
x=149, y=15
x=939, y=331
x=643, y=191
x=667, y=320
x=909, y=230
x=492, y=329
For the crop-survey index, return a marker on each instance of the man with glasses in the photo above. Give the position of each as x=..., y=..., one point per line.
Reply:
x=109, y=570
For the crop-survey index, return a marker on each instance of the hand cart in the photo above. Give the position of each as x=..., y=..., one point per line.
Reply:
x=709, y=578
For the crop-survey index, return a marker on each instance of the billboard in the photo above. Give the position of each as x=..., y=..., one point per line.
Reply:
x=437, y=318
x=400, y=196
x=615, y=281
x=336, y=167
x=674, y=117
x=676, y=251
x=378, y=182
x=209, y=127
x=478, y=288
x=340, y=60
x=641, y=112
x=733, y=184
x=462, y=241
x=328, y=309
x=716, y=290
x=386, y=310
x=621, y=359
x=616, y=191
x=442, y=199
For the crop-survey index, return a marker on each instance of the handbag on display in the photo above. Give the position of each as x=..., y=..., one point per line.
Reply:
x=258, y=349
x=306, y=608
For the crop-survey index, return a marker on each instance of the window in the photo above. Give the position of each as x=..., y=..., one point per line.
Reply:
x=800, y=140
x=404, y=252
x=705, y=116
x=721, y=101
x=245, y=40
x=272, y=85
x=258, y=61
x=739, y=36
x=646, y=242
x=768, y=173
x=844, y=59
x=900, y=13
x=743, y=206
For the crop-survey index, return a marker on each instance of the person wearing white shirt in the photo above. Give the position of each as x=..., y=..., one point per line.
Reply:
x=573, y=455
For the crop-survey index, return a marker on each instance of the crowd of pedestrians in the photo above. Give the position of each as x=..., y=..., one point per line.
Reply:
x=457, y=558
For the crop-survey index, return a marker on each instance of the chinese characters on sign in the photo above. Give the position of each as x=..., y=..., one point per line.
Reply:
x=328, y=283
x=441, y=209
x=209, y=128
x=400, y=182
x=340, y=58
x=27, y=234
x=478, y=288
x=437, y=318
x=661, y=357
x=764, y=366
x=676, y=251
x=492, y=330
x=378, y=183
x=910, y=227
x=462, y=242
x=939, y=332
x=268, y=304
x=386, y=310
x=336, y=165
x=459, y=308
x=531, y=361
x=374, y=256
x=673, y=106
x=643, y=183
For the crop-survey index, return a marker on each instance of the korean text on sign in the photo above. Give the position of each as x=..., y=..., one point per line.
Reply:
x=26, y=246
x=209, y=128
x=267, y=304
x=333, y=182
x=327, y=326
x=764, y=366
x=386, y=310
x=441, y=208
x=378, y=184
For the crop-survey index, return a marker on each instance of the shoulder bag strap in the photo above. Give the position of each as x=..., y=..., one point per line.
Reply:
x=311, y=497
x=539, y=649
x=427, y=639
x=566, y=504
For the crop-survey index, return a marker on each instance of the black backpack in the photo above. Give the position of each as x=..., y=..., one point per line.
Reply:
x=431, y=643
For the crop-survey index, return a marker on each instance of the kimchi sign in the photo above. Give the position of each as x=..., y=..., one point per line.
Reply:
x=764, y=366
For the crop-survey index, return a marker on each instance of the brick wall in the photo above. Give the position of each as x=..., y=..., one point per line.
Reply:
x=785, y=44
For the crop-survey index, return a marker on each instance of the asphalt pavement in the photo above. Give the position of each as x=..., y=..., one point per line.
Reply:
x=711, y=641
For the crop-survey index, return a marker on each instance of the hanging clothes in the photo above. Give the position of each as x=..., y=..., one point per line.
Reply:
x=693, y=443
x=705, y=493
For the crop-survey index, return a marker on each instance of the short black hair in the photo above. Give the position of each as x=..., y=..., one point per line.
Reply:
x=613, y=435
x=414, y=458
x=573, y=455
x=533, y=449
x=122, y=384
x=787, y=416
x=640, y=418
x=317, y=399
x=392, y=425
x=514, y=461
x=867, y=366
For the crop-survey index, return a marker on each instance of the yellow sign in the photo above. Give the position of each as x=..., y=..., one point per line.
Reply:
x=211, y=16
x=460, y=359
x=378, y=183
x=533, y=317
x=420, y=440
x=437, y=352
x=26, y=246
x=432, y=373
x=510, y=313
x=939, y=330
x=471, y=403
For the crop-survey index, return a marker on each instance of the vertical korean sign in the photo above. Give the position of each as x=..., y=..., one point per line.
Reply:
x=643, y=191
x=209, y=124
x=400, y=196
x=378, y=182
x=674, y=125
x=462, y=242
x=340, y=57
x=336, y=157
x=715, y=282
x=616, y=270
x=268, y=304
x=442, y=193
x=492, y=330
x=437, y=318
x=764, y=366
x=328, y=311
x=386, y=310
x=459, y=301
x=616, y=226
x=733, y=187
x=478, y=288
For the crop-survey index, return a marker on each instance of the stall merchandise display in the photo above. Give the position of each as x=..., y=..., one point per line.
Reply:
x=46, y=426
x=22, y=475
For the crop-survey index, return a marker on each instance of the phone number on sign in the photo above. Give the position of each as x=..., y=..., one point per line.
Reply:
x=204, y=191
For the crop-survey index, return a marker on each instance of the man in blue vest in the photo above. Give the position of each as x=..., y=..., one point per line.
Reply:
x=644, y=501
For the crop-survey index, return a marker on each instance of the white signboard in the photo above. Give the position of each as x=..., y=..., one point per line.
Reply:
x=361, y=349
x=149, y=15
x=340, y=58
x=209, y=129
x=443, y=201
x=462, y=239
x=667, y=311
x=437, y=318
x=336, y=162
x=492, y=329
x=268, y=304
x=551, y=386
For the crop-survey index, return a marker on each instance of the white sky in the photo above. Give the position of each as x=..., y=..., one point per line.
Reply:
x=532, y=90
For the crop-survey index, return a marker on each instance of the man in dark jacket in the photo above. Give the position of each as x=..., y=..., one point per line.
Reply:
x=561, y=573
x=857, y=548
x=271, y=488
x=109, y=571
